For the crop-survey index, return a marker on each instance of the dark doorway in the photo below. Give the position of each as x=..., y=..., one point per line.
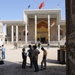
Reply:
x=43, y=39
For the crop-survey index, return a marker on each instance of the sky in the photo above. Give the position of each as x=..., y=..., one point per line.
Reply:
x=13, y=9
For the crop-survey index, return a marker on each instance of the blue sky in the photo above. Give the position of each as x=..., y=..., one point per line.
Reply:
x=13, y=9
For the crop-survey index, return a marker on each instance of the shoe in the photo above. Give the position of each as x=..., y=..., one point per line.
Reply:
x=23, y=68
x=30, y=67
x=35, y=71
x=41, y=69
x=44, y=68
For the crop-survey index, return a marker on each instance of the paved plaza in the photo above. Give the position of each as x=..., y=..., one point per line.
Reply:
x=12, y=63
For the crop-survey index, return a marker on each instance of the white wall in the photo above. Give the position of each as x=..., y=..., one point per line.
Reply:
x=1, y=34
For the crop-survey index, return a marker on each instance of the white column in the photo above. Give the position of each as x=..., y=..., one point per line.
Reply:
x=35, y=28
x=26, y=33
x=7, y=32
x=12, y=33
x=16, y=33
x=3, y=39
x=49, y=29
x=58, y=34
x=26, y=23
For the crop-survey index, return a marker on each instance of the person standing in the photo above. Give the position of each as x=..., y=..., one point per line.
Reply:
x=0, y=53
x=48, y=45
x=39, y=44
x=15, y=45
x=3, y=52
x=43, y=62
x=24, y=57
x=1, y=60
x=35, y=58
x=30, y=54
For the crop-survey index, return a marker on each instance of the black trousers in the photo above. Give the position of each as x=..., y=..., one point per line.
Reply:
x=31, y=62
x=24, y=63
x=35, y=63
x=43, y=63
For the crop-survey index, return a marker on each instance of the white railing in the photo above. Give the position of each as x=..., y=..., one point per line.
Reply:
x=19, y=42
x=56, y=42
x=32, y=42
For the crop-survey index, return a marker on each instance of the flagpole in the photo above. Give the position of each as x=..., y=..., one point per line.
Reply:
x=57, y=5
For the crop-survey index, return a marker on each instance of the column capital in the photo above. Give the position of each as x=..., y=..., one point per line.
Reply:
x=36, y=16
x=48, y=16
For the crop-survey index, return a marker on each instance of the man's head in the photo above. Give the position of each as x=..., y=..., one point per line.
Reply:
x=42, y=48
x=23, y=49
x=29, y=46
x=2, y=45
x=34, y=46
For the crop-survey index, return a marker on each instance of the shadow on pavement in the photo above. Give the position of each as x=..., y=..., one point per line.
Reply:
x=52, y=61
x=11, y=68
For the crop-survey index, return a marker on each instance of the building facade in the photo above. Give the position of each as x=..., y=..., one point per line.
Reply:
x=1, y=34
x=42, y=25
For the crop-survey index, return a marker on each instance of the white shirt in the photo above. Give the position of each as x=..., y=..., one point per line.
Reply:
x=3, y=48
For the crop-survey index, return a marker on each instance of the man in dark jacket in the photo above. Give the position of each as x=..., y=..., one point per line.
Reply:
x=24, y=57
x=30, y=54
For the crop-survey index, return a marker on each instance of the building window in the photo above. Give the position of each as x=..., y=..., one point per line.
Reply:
x=19, y=33
x=14, y=33
x=23, y=32
x=27, y=33
x=5, y=39
x=19, y=39
x=61, y=32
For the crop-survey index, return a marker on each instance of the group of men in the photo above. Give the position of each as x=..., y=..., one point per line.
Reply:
x=33, y=53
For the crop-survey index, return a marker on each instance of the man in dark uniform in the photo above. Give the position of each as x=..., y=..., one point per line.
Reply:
x=30, y=54
x=24, y=57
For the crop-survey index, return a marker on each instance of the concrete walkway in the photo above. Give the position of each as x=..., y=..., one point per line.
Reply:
x=12, y=63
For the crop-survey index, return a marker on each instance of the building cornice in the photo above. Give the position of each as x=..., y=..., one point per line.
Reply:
x=43, y=11
x=12, y=21
x=63, y=22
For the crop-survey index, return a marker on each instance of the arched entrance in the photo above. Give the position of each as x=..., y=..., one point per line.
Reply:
x=42, y=31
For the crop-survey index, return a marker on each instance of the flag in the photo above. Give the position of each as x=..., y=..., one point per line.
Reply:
x=28, y=6
x=41, y=5
x=57, y=5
